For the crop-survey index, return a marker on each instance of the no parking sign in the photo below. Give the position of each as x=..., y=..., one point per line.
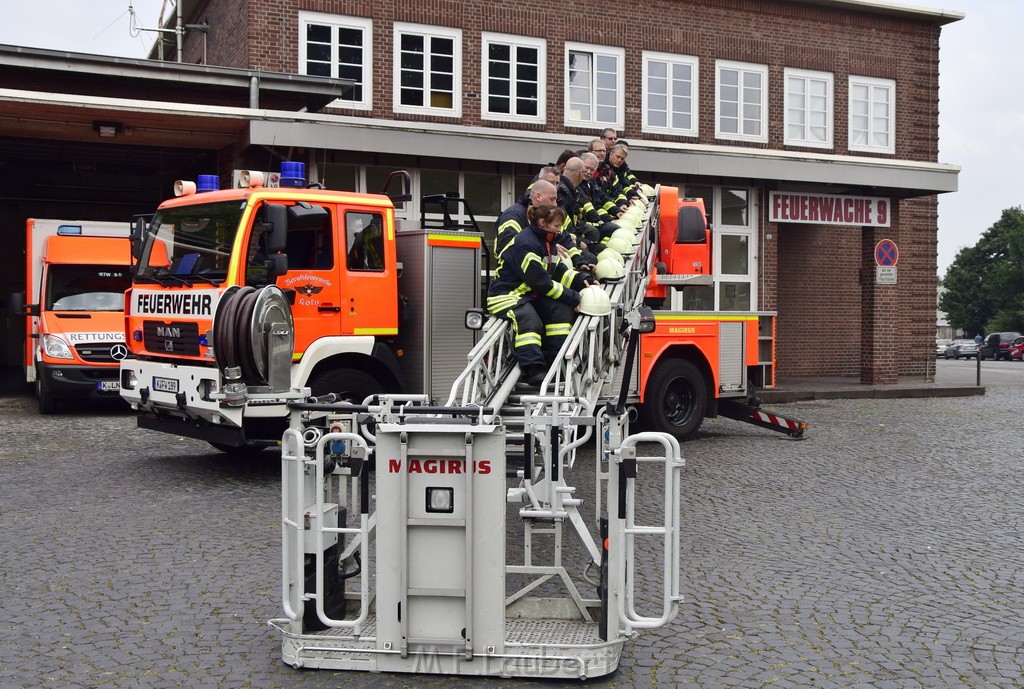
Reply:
x=887, y=254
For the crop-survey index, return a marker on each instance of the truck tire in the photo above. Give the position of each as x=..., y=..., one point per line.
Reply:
x=47, y=402
x=350, y=384
x=675, y=399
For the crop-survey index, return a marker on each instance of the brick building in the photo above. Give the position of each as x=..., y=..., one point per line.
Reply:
x=810, y=128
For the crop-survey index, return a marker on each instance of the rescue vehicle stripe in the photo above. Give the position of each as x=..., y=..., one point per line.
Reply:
x=444, y=240
x=702, y=317
x=375, y=331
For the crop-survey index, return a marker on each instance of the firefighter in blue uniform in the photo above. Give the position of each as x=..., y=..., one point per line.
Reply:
x=537, y=292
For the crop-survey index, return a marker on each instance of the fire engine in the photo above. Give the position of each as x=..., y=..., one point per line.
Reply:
x=253, y=303
x=378, y=309
x=75, y=275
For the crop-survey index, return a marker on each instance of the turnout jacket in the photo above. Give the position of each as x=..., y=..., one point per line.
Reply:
x=528, y=270
x=510, y=223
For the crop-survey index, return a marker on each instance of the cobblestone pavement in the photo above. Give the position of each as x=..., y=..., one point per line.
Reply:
x=883, y=551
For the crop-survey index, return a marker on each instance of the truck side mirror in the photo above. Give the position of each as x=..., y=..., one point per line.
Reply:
x=277, y=264
x=277, y=217
x=138, y=232
x=16, y=304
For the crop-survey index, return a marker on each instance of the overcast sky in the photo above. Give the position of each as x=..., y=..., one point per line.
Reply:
x=981, y=120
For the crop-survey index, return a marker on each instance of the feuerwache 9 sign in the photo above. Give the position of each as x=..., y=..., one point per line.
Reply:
x=828, y=209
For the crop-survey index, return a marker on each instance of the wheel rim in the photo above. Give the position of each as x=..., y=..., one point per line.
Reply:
x=680, y=400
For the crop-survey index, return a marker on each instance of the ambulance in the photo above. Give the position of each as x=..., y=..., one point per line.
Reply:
x=76, y=273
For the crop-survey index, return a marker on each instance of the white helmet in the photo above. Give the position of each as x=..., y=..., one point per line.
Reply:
x=594, y=301
x=612, y=255
x=627, y=234
x=608, y=269
x=621, y=245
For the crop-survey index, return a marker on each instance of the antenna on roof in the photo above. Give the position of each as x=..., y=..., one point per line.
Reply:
x=179, y=29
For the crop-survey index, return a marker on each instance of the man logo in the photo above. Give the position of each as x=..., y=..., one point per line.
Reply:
x=309, y=290
x=118, y=352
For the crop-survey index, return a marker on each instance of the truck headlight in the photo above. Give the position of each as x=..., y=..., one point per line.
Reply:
x=56, y=348
x=475, y=318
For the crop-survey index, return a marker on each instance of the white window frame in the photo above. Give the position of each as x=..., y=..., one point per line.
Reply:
x=718, y=278
x=619, y=55
x=742, y=69
x=427, y=32
x=873, y=83
x=486, y=39
x=671, y=61
x=749, y=230
x=335, y=22
x=806, y=78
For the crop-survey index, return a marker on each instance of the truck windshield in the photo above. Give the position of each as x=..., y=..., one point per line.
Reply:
x=190, y=244
x=86, y=287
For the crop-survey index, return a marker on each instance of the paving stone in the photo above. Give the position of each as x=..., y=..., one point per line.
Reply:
x=882, y=551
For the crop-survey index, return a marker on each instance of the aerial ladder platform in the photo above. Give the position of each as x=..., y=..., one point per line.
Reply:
x=465, y=537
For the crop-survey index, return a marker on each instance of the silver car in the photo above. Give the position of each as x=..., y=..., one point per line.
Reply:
x=962, y=349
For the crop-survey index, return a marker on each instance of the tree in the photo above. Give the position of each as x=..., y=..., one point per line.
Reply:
x=985, y=283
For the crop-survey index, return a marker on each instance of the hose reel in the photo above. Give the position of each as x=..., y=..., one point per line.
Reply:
x=253, y=332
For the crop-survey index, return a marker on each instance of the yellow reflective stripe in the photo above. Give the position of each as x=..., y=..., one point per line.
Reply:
x=501, y=303
x=528, y=259
x=528, y=339
x=556, y=329
x=556, y=290
x=375, y=331
x=689, y=318
x=568, y=276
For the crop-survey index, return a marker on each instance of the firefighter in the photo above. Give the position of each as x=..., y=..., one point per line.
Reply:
x=537, y=292
x=513, y=219
x=574, y=226
x=594, y=200
x=625, y=182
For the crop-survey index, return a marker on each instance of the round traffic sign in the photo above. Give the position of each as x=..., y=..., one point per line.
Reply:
x=886, y=253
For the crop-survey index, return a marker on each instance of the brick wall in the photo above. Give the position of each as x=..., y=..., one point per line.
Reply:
x=228, y=36
x=776, y=33
x=819, y=279
x=819, y=328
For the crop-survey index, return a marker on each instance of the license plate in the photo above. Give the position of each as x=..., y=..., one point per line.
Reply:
x=165, y=384
x=108, y=386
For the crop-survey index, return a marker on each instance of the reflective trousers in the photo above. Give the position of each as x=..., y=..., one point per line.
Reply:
x=539, y=326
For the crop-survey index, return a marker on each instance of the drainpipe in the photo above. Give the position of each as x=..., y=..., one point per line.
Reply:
x=179, y=30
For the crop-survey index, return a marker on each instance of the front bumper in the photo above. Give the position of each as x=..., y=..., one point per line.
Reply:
x=182, y=391
x=82, y=382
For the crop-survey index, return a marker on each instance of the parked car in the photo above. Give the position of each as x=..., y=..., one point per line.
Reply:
x=997, y=345
x=961, y=349
x=1016, y=350
x=941, y=345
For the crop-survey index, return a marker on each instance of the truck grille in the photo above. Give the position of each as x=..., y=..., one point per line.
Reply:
x=171, y=338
